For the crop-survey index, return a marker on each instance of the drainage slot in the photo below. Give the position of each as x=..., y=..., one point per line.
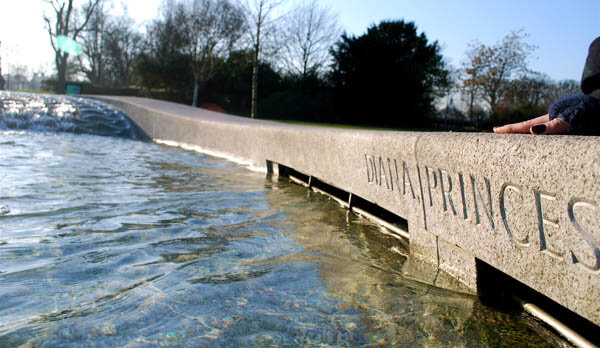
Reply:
x=294, y=175
x=397, y=225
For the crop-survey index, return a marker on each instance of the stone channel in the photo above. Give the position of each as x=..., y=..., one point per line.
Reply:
x=527, y=206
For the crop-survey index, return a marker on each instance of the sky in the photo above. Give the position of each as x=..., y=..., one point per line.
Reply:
x=562, y=30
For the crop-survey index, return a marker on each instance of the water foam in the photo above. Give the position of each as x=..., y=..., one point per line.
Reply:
x=53, y=114
x=190, y=147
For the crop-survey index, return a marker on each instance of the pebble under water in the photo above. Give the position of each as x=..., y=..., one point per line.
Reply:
x=109, y=241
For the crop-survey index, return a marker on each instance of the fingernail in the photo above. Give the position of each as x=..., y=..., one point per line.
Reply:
x=538, y=129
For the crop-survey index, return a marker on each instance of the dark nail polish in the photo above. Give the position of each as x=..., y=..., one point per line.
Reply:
x=538, y=128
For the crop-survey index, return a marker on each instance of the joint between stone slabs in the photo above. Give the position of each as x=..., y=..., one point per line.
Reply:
x=459, y=263
x=415, y=153
x=422, y=197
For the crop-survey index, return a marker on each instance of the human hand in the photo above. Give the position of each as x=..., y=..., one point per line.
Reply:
x=536, y=126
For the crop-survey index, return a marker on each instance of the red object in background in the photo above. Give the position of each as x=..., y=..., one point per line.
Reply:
x=212, y=107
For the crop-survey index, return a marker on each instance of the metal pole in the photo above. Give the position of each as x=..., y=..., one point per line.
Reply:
x=565, y=331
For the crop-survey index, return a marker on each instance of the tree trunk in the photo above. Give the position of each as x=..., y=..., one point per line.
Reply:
x=493, y=106
x=61, y=67
x=254, y=96
x=196, y=93
x=254, y=90
x=471, y=107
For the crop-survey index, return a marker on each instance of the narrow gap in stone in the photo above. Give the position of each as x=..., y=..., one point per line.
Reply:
x=332, y=190
x=387, y=216
x=496, y=289
x=290, y=172
x=379, y=212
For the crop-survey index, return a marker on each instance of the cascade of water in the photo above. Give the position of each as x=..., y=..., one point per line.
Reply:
x=49, y=114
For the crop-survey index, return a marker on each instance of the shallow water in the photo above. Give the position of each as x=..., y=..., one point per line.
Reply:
x=109, y=241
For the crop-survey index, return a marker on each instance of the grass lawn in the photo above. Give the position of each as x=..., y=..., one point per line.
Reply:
x=31, y=91
x=351, y=126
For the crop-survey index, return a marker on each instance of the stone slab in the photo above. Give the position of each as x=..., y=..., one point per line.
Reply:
x=526, y=205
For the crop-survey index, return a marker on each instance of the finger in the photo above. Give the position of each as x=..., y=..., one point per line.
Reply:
x=556, y=126
x=521, y=127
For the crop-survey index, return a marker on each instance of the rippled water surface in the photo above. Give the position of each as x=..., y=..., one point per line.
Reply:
x=113, y=242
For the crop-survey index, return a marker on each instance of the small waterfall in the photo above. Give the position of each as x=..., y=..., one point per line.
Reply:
x=52, y=114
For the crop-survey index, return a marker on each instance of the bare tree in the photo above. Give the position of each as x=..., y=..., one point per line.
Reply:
x=123, y=45
x=489, y=68
x=212, y=28
x=262, y=22
x=19, y=76
x=310, y=31
x=530, y=89
x=110, y=46
x=92, y=61
x=65, y=23
x=2, y=82
x=166, y=35
x=469, y=86
x=561, y=89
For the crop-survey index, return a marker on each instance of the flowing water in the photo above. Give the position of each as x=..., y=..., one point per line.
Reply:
x=107, y=240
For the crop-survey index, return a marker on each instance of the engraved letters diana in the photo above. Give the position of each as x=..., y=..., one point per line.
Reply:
x=477, y=201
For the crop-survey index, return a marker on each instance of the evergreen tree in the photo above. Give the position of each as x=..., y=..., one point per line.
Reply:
x=388, y=76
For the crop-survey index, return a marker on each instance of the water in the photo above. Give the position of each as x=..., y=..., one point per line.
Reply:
x=108, y=241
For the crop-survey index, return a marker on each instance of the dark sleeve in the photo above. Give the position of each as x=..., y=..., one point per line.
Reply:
x=580, y=111
x=590, y=79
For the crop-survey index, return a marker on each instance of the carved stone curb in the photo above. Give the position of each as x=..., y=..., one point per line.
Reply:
x=525, y=205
